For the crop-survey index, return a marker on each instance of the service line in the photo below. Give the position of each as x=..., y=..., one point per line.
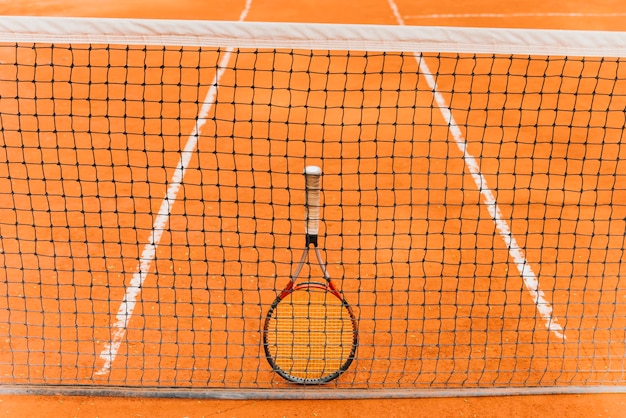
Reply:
x=525, y=270
x=506, y=15
x=133, y=291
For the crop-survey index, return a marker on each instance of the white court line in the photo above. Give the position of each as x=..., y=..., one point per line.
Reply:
x=127, y=306
x=528, y=276
x=505, y=15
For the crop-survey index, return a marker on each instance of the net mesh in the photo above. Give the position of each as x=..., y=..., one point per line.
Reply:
x=152, y=207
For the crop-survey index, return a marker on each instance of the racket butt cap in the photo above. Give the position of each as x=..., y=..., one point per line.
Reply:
x=312, y=170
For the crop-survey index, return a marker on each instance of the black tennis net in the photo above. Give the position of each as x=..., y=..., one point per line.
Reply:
x=152, y=202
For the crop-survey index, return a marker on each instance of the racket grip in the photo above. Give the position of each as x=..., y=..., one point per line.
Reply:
x=312, y=175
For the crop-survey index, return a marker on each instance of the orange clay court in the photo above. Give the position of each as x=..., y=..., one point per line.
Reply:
x=439, y=298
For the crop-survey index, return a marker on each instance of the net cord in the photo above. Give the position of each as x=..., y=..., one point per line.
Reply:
x=312, y=36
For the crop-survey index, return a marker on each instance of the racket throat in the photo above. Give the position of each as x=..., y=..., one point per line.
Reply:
x=311, y=239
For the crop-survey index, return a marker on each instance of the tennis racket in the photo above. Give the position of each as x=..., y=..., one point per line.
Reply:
x=310, y=332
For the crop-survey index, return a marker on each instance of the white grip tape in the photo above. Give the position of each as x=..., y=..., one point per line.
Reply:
x=312, y=175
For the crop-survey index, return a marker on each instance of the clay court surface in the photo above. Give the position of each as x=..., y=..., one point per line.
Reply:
x=549, y=14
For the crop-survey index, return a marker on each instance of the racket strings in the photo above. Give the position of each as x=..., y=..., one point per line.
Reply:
x=310, y=334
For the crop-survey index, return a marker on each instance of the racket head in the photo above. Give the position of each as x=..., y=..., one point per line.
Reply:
x=310, y=334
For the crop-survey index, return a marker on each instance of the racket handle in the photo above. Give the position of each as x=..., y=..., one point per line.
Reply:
x=312, y=175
